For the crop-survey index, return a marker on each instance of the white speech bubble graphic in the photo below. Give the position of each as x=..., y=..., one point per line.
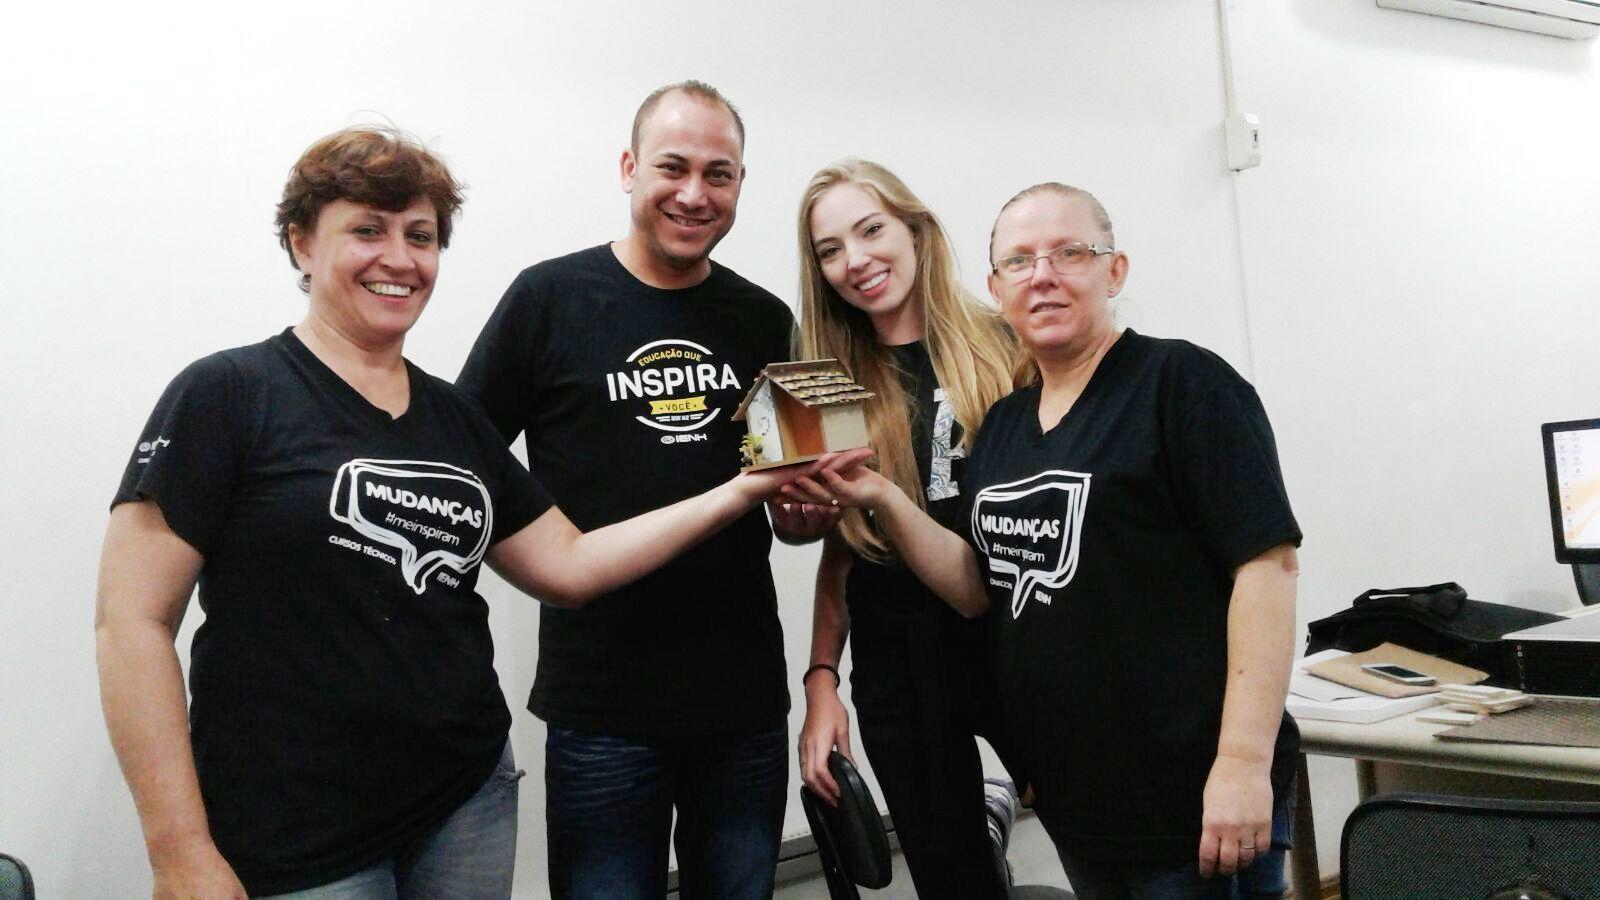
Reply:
x=1058, y=572
x=415, y=566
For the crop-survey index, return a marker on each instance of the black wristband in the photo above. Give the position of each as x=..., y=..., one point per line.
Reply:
x=819, y=666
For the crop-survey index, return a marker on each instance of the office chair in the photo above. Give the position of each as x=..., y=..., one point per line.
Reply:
x=1423, y=845
x=15, y=881
x=852, y=842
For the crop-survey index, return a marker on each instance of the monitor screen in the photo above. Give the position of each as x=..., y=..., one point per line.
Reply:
x=1572, y=468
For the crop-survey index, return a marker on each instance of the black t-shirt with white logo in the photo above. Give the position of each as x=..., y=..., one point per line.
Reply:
x=344, y=693
x=1108, y=544
x=625, y=394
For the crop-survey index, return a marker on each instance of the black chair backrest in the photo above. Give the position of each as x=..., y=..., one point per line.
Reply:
x=840, y=887
x=850, y=837
x=15, y=881
x=1423, y=845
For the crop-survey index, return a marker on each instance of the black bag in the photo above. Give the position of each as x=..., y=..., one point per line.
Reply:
x=1437, y=619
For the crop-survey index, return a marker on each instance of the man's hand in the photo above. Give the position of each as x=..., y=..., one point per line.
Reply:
x=801, y=523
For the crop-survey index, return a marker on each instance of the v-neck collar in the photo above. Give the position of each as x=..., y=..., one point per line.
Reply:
x=1038, y=432
x=347, y=395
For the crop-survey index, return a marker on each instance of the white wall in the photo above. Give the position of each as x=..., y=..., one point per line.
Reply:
x=1420, y=254
x=1417, y=255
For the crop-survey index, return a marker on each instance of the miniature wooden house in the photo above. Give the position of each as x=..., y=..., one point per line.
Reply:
x=797, y=411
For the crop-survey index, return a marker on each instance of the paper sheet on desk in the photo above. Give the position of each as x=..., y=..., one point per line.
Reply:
x=1311, y=697
x=1321, y=690
x=1549, y=722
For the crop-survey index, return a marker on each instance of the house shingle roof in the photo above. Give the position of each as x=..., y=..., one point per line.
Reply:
x=817, y=382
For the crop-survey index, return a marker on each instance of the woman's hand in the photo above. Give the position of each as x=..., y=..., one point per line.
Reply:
x=827, y=726
x=940, y=558
x=197, y=872
x=147, y=573
x=844, y=486
x=1237, y=820
x=1236, y=826
x=554, y=561
x=774, y=484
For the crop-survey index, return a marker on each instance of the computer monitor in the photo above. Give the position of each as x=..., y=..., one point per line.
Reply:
x=1572, y=472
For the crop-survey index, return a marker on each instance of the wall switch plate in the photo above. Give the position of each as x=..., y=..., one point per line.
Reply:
x=1243, y=133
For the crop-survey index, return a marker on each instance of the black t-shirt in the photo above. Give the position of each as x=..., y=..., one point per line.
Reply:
x=1109, y=544
x=625, y=393
x=894, y=617
x=344, y=693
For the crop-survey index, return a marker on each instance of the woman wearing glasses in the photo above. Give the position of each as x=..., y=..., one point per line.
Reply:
x=1129, y=524
x=879, y=292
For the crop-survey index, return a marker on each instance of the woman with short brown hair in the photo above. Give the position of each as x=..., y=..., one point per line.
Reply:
x=347, y=735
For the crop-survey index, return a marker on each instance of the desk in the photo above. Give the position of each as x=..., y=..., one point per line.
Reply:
x=1406, y=741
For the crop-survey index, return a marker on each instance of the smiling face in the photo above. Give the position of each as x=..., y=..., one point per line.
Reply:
x=683, y=181
x=372, y=271
x=869, y=257
x=1055, y=315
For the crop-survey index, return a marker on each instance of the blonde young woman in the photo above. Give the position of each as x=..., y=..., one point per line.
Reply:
x=879, y=292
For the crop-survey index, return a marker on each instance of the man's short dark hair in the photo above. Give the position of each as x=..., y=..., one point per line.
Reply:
x=694, y=89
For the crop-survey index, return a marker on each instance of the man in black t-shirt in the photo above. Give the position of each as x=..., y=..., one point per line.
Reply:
x=622, y=365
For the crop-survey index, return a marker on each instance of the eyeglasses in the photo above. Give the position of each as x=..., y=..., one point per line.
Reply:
x=1066, y=260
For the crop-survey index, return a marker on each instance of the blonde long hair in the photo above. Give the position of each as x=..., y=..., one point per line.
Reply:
x=973, y=350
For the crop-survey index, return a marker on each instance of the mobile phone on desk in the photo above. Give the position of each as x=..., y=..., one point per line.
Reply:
x=1399, y=674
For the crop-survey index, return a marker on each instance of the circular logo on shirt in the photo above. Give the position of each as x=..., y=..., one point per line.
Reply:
x=668, y=381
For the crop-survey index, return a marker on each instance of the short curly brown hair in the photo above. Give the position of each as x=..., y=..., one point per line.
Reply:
x=381, y=167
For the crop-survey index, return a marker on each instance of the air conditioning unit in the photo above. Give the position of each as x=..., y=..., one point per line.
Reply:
x=1562, y=18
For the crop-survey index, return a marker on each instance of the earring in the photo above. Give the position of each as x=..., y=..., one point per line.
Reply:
x=305, y=282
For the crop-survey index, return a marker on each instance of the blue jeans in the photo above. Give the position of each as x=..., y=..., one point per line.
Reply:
x=1094, y=879
x=470, y=855
x=609, y=803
